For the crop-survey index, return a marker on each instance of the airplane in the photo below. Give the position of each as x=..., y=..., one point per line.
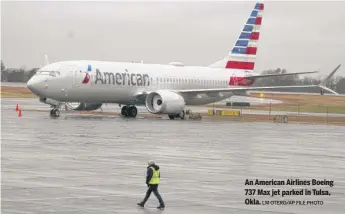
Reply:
x=161, y=88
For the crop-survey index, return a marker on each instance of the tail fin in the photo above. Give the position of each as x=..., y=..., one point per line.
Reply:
x=243, y=54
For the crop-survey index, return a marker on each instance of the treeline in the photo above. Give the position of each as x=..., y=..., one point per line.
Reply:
x=16, y=74
x=336, y=83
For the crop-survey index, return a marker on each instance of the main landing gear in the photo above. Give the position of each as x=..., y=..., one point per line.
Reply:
x=180, y=115
x=129, y=111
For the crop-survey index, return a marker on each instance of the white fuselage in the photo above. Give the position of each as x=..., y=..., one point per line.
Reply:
x=121, y=82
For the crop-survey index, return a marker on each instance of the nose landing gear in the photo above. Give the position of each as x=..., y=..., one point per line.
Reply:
x=55, y=112
x=129, y=111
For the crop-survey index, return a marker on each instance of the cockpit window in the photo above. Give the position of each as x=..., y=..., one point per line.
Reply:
x=50, y=73
x=43, y=73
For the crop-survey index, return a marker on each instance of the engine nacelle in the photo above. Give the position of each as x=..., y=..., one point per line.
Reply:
x=164, y=102
x=84, y=106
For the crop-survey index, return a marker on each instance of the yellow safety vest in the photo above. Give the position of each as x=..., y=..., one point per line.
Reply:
x=155, y=176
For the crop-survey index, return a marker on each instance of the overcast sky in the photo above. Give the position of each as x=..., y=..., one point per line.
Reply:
x=298, y=36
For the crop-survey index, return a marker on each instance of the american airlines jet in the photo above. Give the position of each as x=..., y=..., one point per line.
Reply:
x=162, y=88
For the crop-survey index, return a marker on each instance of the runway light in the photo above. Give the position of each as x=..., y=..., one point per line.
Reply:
x=261, y=94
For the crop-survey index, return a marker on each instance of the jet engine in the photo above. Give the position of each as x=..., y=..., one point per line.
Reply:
x=164, y=102
x=84, y=106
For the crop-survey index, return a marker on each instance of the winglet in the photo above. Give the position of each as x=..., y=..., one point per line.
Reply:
x=323, y=83
x=46, y=61
x=330, y=75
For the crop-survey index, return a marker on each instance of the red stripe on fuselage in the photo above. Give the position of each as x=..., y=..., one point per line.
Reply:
x=240, y=65
x=240, y=81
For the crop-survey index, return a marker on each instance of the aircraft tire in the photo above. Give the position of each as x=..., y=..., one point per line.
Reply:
x=132, y=111
x=124, y=111
x=172, y=117
x=54, y=113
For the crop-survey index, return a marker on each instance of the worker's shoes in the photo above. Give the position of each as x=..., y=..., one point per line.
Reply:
x=141, y=204
x=161, y=207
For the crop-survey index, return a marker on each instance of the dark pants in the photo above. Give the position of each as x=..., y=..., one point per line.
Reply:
x=153, y=188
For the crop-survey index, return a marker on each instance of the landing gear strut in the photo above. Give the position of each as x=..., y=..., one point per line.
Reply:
x=129, y=111
x=180, y=115
x=55, y=112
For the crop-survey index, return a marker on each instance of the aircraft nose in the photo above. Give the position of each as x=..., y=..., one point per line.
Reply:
x=35, y=85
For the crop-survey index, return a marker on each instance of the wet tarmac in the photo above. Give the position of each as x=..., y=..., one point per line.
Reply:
x=97, y=164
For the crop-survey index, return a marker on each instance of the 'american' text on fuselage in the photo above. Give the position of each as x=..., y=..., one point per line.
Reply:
x=124, y=78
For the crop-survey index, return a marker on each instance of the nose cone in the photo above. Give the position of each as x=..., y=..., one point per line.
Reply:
x=35, y=85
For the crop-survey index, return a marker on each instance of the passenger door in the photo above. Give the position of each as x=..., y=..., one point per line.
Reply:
x=77, y=77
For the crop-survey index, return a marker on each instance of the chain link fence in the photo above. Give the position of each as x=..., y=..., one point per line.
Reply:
x=287, y=113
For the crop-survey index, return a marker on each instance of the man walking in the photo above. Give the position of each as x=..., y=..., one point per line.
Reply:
x=152, y=181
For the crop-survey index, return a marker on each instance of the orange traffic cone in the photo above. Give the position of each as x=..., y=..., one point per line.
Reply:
x=17, y=108
x=20, y=112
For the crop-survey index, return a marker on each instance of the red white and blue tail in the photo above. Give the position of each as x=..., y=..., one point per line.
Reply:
x=243, y=54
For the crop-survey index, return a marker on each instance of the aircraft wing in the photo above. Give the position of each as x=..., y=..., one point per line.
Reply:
x=322, y=86
x=242, y=89
x=141, y=95
x=278, y=75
